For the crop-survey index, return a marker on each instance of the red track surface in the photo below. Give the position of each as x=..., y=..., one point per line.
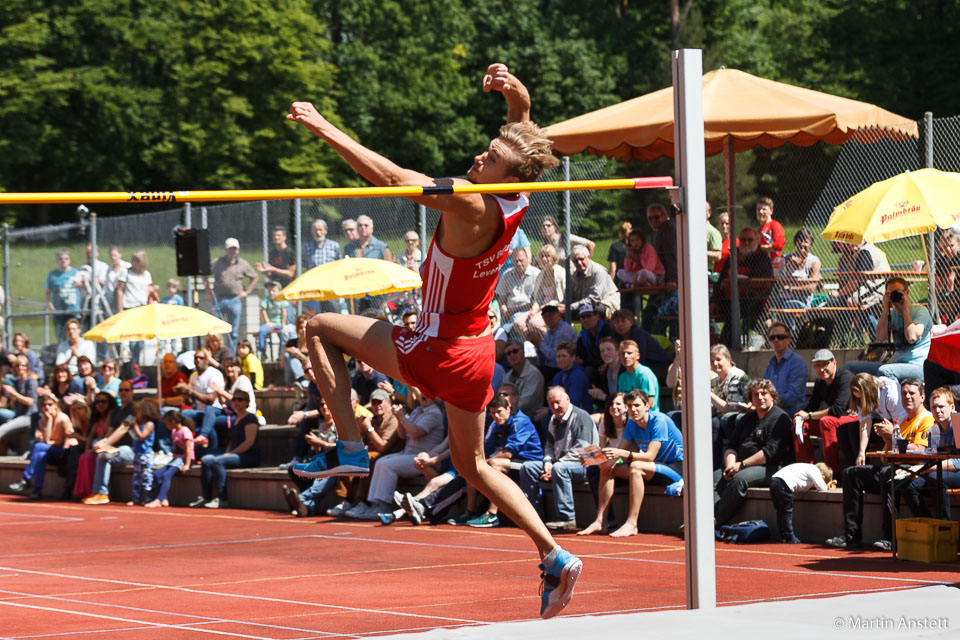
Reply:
x=68, y=570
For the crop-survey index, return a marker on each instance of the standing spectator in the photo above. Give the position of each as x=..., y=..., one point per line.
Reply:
x=772, y=237
x=367, y=245
x=617, y=253
x=754, y=275
x=877, y=404
x=827, y=409
x=756, y=450
x=635, y=375
x=551, y=233
x=22, y=398
x=905, y=324
x=21, y=347
x=571, y=377
x=515, y=288
x=86, y=274
x=54, y=435
x=274, y=316
x=527, y=378
x=61, y=292
x=570, y=428
x=143, y=436
x=228, y=271
x=118, y=267
x=173, y=293
x=133, y=289
x=714, y=241
x=318, y=250
x=349, y=228
x=787, y=370
x=281, y=264
x=412, y=256
x=792, y=479
x=591, y=284
x=558, y=330
x=74, y=346
x=243, y=451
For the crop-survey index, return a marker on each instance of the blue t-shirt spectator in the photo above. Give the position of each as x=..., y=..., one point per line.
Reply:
x=174, y=299
x=577, y=386
x=659, y=428
x=63, y=290
x=517, y=435
x=789, y=376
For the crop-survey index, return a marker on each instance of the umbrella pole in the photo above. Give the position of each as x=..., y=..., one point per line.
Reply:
x=730, y=172
x=159, y=378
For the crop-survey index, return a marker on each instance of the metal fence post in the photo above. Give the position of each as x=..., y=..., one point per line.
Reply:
x=264, y=231
x=8, y=303
x=566, y=237
x=931, y=236
x=297, y=222
x=94, y=285
x=422, y=214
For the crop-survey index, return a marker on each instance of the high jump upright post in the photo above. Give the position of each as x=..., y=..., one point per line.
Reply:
x=690, y=199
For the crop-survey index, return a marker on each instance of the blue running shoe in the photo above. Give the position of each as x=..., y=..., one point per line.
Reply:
x=335, y=462
x=559, y=578
x=386, y=518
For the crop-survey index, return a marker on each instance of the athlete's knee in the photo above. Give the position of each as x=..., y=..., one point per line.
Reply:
x=319, y=325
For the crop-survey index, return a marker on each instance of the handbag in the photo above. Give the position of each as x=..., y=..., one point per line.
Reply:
x=881, y=352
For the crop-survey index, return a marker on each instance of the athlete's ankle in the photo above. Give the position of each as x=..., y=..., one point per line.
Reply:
x=352, y=446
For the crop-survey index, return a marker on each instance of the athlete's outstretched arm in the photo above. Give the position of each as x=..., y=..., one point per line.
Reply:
x=499, y=78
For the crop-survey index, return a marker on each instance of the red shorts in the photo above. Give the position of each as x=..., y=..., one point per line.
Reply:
x=458, y=371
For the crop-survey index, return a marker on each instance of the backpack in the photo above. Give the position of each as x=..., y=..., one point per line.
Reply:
x=130, y=372
x=749, y=531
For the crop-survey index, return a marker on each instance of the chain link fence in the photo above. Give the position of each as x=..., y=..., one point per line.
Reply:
x=806, y=183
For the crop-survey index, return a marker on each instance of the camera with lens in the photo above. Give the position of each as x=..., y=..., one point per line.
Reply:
x=896, y=296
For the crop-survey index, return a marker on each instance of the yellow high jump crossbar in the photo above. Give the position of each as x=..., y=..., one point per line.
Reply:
x=120, y=197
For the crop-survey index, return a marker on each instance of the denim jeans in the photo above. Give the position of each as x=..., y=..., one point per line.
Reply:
x=214, y=469
x=287, y=332
x=898, y=370
x=312, y=496
x=562, y=477
x=101, y=474
x=230, y=310
x=292, y=370
x=42, y=455
x=202, y=427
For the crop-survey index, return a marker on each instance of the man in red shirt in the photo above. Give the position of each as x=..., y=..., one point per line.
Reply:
x=772, y=236
x=450, y=353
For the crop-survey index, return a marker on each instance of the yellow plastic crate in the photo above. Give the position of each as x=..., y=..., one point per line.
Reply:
x=927, y=540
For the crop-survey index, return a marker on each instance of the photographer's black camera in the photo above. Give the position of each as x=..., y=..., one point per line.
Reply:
x=896, y=296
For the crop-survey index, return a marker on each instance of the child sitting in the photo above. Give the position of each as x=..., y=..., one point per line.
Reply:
x=642, y=265
x=800, y=476
x=183, y=456
x=273, y=317
x=251, y=365
x=145, y=417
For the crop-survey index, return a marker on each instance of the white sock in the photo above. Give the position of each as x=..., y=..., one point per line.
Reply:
x=551, y=557
x=351, y=446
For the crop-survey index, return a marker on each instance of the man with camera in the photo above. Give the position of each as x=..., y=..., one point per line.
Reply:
x=907, y=326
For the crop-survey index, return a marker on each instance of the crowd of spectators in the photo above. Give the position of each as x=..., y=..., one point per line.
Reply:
x=579, y=386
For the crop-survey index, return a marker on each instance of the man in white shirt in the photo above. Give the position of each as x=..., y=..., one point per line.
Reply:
x=199, y=390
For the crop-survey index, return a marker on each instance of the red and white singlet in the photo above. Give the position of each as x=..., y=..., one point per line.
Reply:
x=457, y=291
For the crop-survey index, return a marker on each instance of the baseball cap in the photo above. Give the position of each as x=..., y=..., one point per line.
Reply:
x=231, y=243
x=549, y=307
x=823, y=355
x=585, y=309
x=380, y=394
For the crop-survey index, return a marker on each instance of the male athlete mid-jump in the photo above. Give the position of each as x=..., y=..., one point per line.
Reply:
x=450, y=352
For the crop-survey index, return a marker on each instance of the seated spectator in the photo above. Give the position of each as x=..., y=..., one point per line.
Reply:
x=714, y=241
x=111, y=448
x=942, y=406
x=173, y=293
x=651, y=451
x=53, y=436
x=617, y=253
x=664, y=242
x=759, y=446
x=527, y=378
x=307, y=420
x=82, y=434
x=856, y=290
x=723, y=226
x=201, y=390
x=109, y=382
x=625, y=327
x=420, y=431
x=86, y=379
x=551, y=233
x=365, y=380
x=274, y=316
x=295, y=354
x=948, y=271
x=183, y=458
x=609, y=371
x=250, y=363
x=874, y=478
x=591, y=284
x=674, y=383
x=21, y=347
x=86, y=453
x=217, y=419
x=772, y=236
x=558, y=330
x=74, y=346
x=642, y=265
x=218, y=352
x=62, y=387
x=728, y=398
x=592, y=329
x=826, y=410
x=17, y=417
x=515, y=288
x=243, y=451
x=637, y=376
x=798, y=276
x=793, y=479
x=170, y=399
x=907, y=326
x=876, y=401
x=572, y=377
x=307, y=503
x=610, y=427
x=786, y=370
x=754, y=275
x=570, y=428
x=548, y=289
x=511, y=440
x=146, y=416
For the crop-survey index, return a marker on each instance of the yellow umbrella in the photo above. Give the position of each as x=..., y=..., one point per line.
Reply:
x=157, y=322
x=908, y=204
x=351, y=278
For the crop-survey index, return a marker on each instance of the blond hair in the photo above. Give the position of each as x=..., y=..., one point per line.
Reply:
x=532, y=151
x=825, y=471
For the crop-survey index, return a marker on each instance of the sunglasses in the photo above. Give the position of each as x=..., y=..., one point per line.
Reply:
x=510, y=352
x=100, y=401
x=126, y=389
x=375, y=401
x=780, y=336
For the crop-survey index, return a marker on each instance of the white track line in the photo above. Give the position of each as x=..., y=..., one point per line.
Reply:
x=159, y=546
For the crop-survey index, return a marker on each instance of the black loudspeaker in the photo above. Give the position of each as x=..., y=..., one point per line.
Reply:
x=193, y=252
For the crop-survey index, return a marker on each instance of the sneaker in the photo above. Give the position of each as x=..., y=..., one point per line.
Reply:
x=288, y=465
x=387, y=518
x=109, y=452
x=199, y=502
x=335, y=462
x=20, y=486
x=292, y=497
x=374, y=510
x=96, y=498
x=357, y=511
x=484, y=521
x=303, y=510
x=414, y=508
x=883, y=545
x=201, y=440
x=562, y=525
x=397, y=499
x=792, y=539
x=340, y=509
x=217, y=503
x=559, y=579
x=461, y=519
x=36, y=494
x=842, y=542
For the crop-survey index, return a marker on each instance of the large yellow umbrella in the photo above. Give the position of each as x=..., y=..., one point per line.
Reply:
x=158, y=322
x=351, y=278
x=907, y=204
